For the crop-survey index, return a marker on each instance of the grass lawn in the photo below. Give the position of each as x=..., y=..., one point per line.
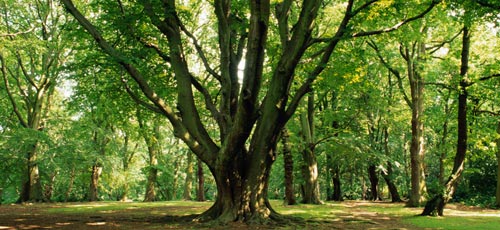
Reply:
x=179, y=215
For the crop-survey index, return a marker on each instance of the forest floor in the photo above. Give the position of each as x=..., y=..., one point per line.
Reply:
x=179, y=215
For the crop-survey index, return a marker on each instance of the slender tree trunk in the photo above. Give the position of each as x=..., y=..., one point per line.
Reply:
x=373, y=176
x=498, y=165
x=200, y=191
x=175, y=182
x=393, y=189
x=188, y=186
x=49, y=187
x=337, y=187
x=126, y=161
x=333, y=169
x=388, y=174
x=152, y=142
x=288, y=167
x=364, y=189
x=310, y=188
x=94, y=182
x=437, y=203
x=70, y=184
x=443, y=154
x=417, y=150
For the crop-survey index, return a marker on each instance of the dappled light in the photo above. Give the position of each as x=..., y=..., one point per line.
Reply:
x=180, y=214
x=121, y=114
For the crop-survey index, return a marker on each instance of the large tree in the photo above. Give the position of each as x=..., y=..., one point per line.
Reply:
x=250, y=109
x=31, y=56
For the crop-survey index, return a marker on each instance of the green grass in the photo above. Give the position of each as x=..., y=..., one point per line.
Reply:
x=339, y=212
x=455, y=222
x=95, y=207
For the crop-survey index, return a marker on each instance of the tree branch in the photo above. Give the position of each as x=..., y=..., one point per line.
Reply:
x=136, y=98
x=438, y=46
x=11, y=35
x=325, y=57
x=489, y=77
x=396, y=73
x=486, y=3
x=401, y=23
x=9, y=93
x=200, y=51
x=180, y=129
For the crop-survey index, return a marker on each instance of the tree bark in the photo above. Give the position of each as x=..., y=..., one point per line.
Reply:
x=417, y=150
x=49, y=187
x=188, y=185
x=393, y=189
x=436, y=205
x=388, y=174
x=70, y=184
x=175, y=182
x=151, y=138
x=34, y=185
x=200, y=191
x=241, y=192
x=373, y=176
x=498, y=165
x=310, y=188
x=94, y=182
x=288, y=168
x=337, y=187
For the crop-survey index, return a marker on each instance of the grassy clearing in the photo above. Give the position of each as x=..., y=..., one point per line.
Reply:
x=178, y=215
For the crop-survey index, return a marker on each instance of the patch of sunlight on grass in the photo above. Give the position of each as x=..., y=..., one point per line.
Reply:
x=308, y=211
x=393, y=210
x=454, y=222
x=110, y=207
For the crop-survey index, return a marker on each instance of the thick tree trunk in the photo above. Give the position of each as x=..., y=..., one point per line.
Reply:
x=188, y=186
x=200, y=191
x=373, y=176
x=94, y=182
x=310, y=188
x=498, y=165
x=151, y=182
x=32, y=188
x=241, y=192
x=288, y=167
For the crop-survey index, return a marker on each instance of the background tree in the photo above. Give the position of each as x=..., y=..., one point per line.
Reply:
x=33, y=52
